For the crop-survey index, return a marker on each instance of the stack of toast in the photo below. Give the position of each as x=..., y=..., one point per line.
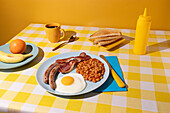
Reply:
x=106, y=38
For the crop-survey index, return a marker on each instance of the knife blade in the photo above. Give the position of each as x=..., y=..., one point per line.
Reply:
x=118, y=80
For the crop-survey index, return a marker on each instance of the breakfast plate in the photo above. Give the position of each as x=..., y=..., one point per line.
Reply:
x=90, y=85
x=31, y=48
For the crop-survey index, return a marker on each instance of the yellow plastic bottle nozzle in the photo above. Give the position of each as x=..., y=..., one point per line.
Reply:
x=145, y=12
x=142, y=33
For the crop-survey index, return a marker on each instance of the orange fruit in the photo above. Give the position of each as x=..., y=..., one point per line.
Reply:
x=17, y=46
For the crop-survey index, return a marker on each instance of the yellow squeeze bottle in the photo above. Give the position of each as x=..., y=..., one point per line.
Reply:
x=142, y=33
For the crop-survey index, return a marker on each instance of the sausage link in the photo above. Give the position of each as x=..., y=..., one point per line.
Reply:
x=52, y=76
x=47, y=72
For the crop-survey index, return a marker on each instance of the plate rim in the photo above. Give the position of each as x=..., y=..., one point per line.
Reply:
x=34, y=48
x=72, y=94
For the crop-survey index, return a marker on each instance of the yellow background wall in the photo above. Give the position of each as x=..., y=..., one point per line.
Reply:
x=15, y=15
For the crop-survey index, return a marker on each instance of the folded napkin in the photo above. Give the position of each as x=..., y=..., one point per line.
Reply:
x=110, y=84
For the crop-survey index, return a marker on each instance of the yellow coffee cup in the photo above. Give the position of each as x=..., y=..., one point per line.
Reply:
x=53, y=32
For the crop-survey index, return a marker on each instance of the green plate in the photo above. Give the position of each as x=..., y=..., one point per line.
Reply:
x=31, y=48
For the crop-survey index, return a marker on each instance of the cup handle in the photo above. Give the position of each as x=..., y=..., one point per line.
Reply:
x=63, y=33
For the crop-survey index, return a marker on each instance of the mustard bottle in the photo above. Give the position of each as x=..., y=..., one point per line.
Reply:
x=142, y=33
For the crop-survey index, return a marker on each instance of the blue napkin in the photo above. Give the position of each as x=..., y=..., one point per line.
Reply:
x=110, y=84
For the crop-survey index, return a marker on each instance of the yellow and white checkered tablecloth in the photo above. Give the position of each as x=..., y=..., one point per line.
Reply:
x=147, y=76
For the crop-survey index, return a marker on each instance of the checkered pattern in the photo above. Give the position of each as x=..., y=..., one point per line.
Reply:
x=147, y=76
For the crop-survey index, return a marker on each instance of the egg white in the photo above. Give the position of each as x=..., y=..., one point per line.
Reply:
x=77, y=86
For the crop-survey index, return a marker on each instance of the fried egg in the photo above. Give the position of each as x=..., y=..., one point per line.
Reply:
x=70, y=83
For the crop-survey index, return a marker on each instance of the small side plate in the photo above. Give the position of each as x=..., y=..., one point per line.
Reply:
x=31, y=48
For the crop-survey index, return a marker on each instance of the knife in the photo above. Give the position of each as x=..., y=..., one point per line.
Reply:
x=118, y=80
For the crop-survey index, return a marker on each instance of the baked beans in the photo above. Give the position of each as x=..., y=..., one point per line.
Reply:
x=91, y=70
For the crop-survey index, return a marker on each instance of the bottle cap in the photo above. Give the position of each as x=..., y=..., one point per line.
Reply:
x=145, y=16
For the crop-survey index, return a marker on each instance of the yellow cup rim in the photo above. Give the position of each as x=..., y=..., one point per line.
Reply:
x=52, y=24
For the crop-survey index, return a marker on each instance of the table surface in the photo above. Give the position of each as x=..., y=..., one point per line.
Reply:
x=147, y=76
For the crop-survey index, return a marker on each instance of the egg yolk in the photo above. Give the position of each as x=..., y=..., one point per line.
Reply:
x=67, y=80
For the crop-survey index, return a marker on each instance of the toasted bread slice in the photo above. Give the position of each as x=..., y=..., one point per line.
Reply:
x=105, y=39
x=114, y=44
x=107, y=42
x=105, y=33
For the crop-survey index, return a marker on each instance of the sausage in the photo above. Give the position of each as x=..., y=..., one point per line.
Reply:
x=47, y=72
x=52, y=76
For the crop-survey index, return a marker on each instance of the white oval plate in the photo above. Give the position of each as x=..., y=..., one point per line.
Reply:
x=90, y=85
